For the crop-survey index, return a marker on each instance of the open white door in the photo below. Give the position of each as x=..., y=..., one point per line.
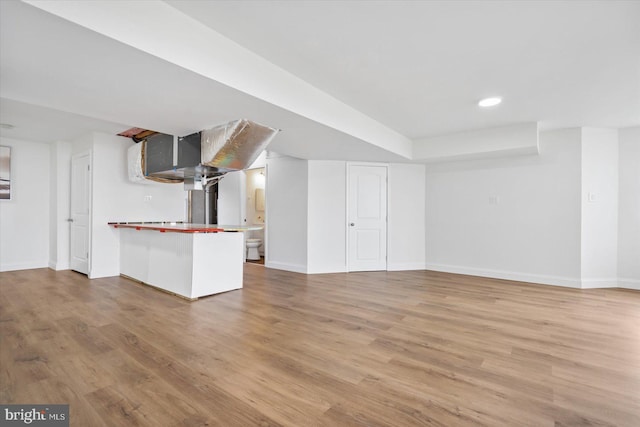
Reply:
x=80, y=212
x=367, y=218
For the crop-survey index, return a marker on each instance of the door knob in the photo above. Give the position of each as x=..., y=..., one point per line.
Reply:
x=352, y=224
x=69, y=219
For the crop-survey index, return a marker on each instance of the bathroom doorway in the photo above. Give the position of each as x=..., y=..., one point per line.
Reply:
x=255, y=214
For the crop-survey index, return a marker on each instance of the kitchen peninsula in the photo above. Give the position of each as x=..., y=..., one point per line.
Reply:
x=188, y=260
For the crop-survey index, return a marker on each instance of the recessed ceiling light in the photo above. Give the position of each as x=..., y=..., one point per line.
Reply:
x=490, y=102
x=6, y=126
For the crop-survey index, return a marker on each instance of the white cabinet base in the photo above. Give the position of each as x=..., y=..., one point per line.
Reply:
x=190, y=265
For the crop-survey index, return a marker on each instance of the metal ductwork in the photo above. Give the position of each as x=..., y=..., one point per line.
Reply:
x=205, y=156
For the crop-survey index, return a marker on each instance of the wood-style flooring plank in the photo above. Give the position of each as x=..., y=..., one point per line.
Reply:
x=411, y=348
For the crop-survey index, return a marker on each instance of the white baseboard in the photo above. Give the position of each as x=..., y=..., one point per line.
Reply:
x=569, y=282
x=624, y=282
x=341, y=269
x=58, y=266
x=296, y=268
x=24, y=265
x=599, y=283
x=405, y=266
x=92, y=275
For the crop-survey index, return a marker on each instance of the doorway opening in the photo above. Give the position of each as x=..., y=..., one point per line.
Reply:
x=255, y=211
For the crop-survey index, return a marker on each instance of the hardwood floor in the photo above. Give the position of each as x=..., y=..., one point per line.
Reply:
x=357, y=349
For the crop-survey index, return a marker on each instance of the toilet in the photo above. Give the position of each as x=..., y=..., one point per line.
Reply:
x=252, y=249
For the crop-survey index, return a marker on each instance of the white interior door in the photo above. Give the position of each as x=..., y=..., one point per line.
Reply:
x=80, y=212
x=367, y=218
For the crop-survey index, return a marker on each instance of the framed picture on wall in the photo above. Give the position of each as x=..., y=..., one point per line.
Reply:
x=5, y=173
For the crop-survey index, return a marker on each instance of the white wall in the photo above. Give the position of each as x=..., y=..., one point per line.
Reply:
x=116, y=199
x=53, y=207
x=60, y=183
x=629, y=208
x=513, y=140
x=514, y=218
x=599, y=248
x=287, y=195
x=24, y=220
x=327, y=209
x=231, y=199
x=406, y=213
x=323, y=187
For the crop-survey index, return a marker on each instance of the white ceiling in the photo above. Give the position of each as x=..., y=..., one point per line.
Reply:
x=419, y=67
x=415, y=67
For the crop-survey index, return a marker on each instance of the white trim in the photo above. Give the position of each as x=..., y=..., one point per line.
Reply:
x=346, y=216
x=405, y=266
x=296, y=268
x=30, y=265
x=356, y=163
x=599, y=283
x=58, y=266
x=90, y=243
x=627, y=283
x=342, y=269
x=265, y=234
x=508, y=275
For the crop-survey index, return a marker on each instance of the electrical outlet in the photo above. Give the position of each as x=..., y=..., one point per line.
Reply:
x=147, y=198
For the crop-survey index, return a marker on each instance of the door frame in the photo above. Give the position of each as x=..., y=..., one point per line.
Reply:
x=347, y=213
x=89, y=154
